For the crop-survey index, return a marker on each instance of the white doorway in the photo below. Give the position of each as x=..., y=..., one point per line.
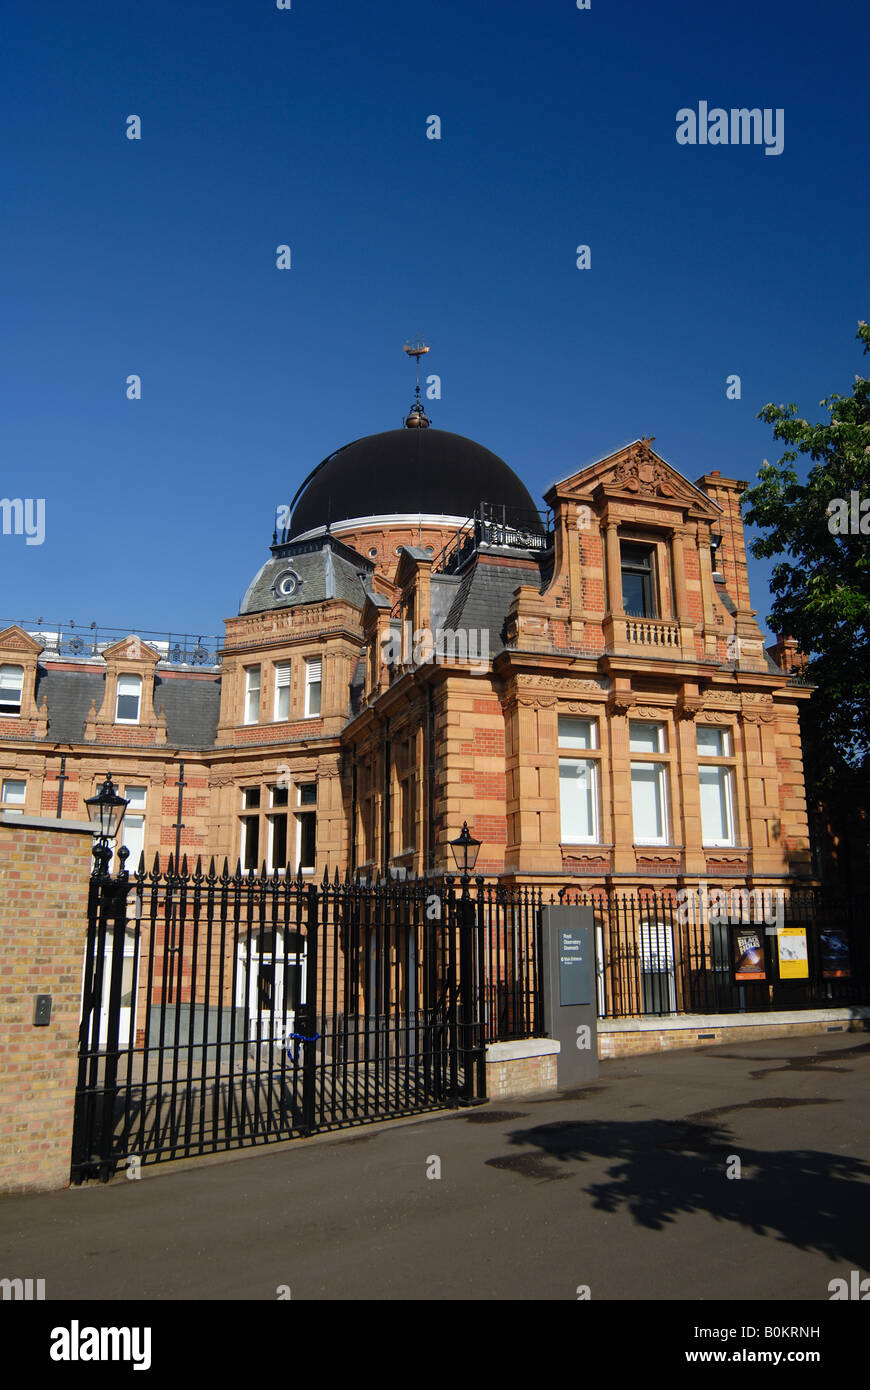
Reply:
x=271, y=983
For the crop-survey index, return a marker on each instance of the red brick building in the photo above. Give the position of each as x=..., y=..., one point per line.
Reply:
x=587, y=687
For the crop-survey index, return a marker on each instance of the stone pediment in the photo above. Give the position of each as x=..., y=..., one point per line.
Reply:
x=131, y=648
x=15, y=639
x=636, y=473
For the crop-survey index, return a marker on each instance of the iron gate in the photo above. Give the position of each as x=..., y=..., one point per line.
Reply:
x=227, y=1009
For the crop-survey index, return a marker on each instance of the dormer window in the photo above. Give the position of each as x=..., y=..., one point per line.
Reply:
x=128, y=699
x=11, y=687
x=638, y=580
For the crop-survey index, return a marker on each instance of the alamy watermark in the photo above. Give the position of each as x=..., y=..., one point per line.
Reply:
x=24, y=517
x=713, y=125
x=723, y=907
x=850, y=518
x=25, y=1290
x=415, y=646
x=77, y=1343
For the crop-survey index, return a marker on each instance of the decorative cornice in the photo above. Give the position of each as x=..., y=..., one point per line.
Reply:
x=566, y=685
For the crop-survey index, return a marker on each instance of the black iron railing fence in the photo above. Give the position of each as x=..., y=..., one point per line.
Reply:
x=226, y=1008
x=727, y=950
x=222, y=1009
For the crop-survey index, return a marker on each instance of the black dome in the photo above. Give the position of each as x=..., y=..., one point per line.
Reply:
x=409, y=471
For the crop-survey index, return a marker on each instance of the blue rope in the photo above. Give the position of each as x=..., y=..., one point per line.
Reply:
x=301, y=1038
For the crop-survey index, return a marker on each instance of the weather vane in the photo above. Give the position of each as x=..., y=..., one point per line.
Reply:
x=417, y=415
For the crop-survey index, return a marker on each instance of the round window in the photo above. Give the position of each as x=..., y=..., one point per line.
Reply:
x=287, y=583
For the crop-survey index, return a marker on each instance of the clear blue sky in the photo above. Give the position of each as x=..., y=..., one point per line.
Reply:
x=308, y=127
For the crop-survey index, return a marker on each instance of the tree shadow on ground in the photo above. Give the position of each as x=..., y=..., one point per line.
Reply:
x=812, y=1200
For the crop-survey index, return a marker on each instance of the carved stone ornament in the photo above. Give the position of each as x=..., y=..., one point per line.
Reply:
x=621, y=701
x=532, y=699
x=566, y=684
x=757, y=716
x=651, y=711
x=581, y=707
x=642, y=474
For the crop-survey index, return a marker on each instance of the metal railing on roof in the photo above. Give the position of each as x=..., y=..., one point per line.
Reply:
x=75, y=640
x=495, y=524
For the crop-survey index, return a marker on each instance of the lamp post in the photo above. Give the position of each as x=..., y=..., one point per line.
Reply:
x=106, y=812
x=104, y=971
x=465, y=849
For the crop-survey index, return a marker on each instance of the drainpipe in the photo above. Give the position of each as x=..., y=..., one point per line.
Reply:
x=430, y=778
x=60, y=785
x=353, y=804
x=178, y=822
x=385, y=825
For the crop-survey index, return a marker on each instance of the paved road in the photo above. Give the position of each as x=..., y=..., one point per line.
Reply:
x=621, y=1186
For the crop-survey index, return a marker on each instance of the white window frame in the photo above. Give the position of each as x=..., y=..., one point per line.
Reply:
x=313, y=677
x=592, y=771
x=7, y=685
x=723, y=735
x=660, y=736
x=252, y=689
x=572, y=742
x=282, y=683
x=716, y=761
x=566, y=736
x=131, y=677
x=305, y=809
x=278, y=809
x=661, y=771
x=136, y=822
x=13, y=804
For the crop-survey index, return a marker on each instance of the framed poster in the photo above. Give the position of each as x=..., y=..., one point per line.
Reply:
x=792, y=946
x=748, y=954
x=834, y=952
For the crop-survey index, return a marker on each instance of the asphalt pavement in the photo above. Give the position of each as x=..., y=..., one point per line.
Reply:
x=733, y=1172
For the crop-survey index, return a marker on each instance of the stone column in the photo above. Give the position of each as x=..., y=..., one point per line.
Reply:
x=681, y=600
x=614, y=569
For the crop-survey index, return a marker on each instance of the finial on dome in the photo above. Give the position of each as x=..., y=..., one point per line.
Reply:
x=417, y=417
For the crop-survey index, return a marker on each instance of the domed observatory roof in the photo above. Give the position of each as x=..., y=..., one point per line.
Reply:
x=408, y=473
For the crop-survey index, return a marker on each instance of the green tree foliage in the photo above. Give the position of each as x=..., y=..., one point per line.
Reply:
x=821, y=581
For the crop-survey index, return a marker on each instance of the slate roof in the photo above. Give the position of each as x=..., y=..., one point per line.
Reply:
x=69, y=695
x=483, y=599
x=192, y=710
x=192, y=706
x=322, y=573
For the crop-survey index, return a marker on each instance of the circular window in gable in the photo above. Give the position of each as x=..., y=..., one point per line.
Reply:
x=286, y=584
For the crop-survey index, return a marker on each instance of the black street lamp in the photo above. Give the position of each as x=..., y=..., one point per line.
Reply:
x=465, y=851
x=106, y=811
